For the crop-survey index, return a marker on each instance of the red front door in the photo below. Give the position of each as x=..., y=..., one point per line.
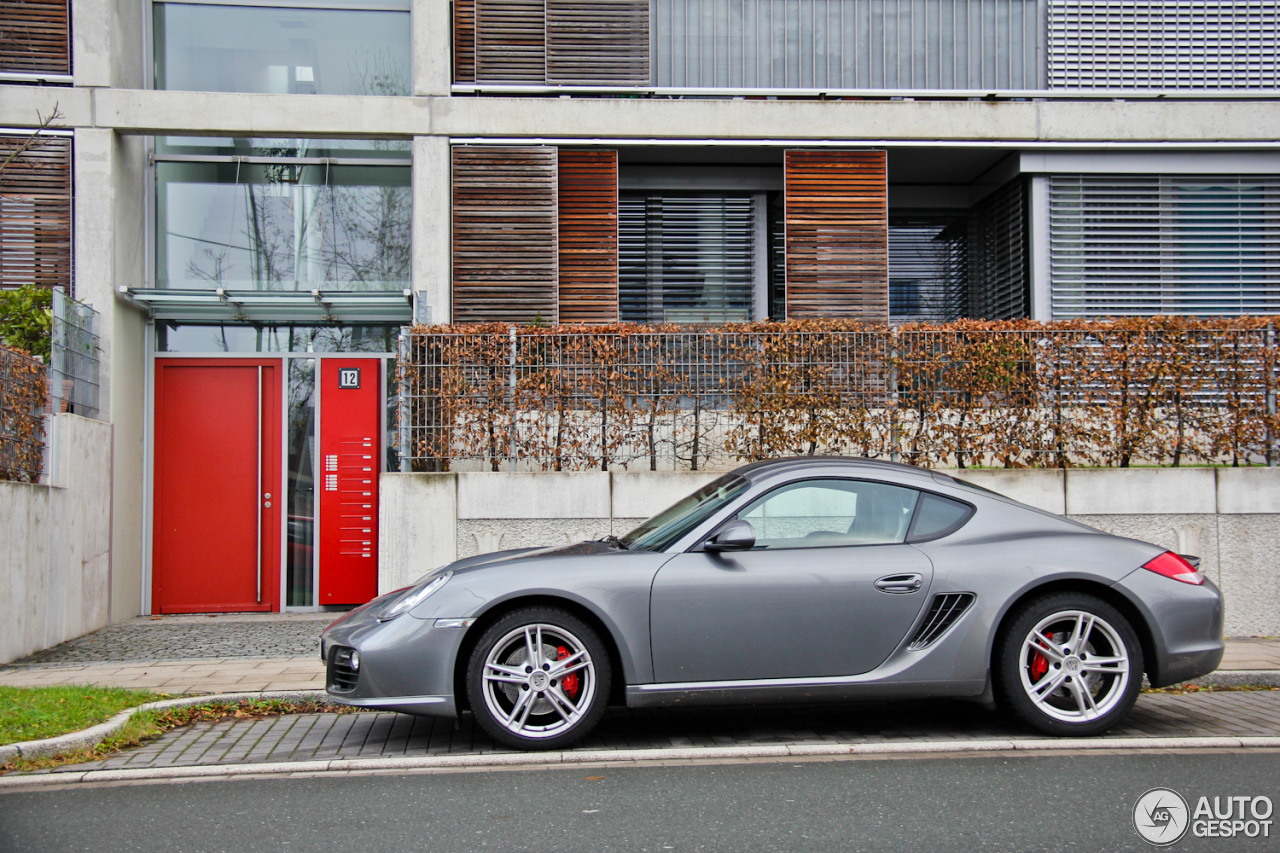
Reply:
x=350, y=429
x=216, y=543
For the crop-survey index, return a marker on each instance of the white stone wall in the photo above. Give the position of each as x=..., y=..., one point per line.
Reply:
x=1230, y=518
x=55, y=566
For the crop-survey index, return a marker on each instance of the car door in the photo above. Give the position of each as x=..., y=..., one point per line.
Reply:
x=830, y=588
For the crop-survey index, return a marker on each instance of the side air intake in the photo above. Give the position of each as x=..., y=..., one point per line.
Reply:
x=943, y=613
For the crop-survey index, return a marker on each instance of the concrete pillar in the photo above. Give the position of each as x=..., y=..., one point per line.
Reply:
x=432, y=227
x=432, y=47
x=107, y=43
x=110, y=179
x=1041, y=274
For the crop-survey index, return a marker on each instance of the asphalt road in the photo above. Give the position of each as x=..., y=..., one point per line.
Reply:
x=1079, y=802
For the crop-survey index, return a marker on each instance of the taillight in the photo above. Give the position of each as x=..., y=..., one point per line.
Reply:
x=1173, y=566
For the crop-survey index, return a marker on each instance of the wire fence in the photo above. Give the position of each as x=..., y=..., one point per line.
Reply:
x=74, y=360
x=22, y=399
x=1167, y=391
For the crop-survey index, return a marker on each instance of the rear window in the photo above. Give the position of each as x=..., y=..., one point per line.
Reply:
x=936, y=517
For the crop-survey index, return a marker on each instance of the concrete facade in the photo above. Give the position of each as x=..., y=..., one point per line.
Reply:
x=112, y=109
x=1224, y=516
x=55, y=570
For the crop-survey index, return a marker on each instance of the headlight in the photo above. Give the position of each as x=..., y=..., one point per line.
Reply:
x=414, y=597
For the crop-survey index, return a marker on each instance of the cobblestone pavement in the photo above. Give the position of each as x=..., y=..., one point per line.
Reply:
x=317, y=737
x=192, y=637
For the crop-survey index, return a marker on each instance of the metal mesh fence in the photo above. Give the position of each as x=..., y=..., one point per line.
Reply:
x=670, y=398
x=22, y=397
x=74, y=362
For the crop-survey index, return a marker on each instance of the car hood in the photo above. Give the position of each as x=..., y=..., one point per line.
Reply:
x=520, y=555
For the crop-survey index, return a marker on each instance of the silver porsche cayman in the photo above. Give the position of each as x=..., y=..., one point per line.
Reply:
x=791, y=580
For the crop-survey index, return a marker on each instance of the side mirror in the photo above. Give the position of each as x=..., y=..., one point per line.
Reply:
x=737, y=536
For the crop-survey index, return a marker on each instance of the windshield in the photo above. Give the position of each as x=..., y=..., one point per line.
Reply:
x=665, y=528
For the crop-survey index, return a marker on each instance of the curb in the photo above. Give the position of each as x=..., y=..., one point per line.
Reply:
x=94, y=735
x=626, y=756
x=1239, y=678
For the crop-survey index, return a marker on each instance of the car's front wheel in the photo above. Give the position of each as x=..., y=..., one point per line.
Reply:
x=1068, y=664
x=538, y=679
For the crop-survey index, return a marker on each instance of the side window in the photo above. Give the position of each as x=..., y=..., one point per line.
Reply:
x=937, y=516
x=822, y=513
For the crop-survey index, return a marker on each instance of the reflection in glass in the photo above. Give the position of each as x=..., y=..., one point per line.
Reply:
x=300, y=554
x=281, y=50
x=390, y=431
x=240, y=146
x=192, y=338
x=282, y=226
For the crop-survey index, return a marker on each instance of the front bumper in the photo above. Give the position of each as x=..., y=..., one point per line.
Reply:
x=406, y=664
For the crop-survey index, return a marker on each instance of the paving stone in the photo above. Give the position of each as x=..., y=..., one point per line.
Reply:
x=375, y=735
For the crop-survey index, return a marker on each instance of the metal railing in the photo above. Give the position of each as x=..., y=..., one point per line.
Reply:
x=664, y=398
x=74, y=362
x=22, y=397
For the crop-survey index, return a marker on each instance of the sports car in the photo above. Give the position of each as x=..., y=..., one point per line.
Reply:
x=804, y=579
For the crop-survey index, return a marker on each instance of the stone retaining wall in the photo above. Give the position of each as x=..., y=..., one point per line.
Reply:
x=55, y=543
x=1228, y=517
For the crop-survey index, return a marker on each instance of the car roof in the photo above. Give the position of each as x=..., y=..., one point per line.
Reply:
x=770, y=467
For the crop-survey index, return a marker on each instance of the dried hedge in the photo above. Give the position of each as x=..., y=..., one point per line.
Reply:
x=1162, y=390
x=22, y=400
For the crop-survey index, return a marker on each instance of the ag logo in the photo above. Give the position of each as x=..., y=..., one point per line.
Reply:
x=1161, y=816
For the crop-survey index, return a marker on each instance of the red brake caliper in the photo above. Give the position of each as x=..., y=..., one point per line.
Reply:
x=1040, y=663
x=570, y=681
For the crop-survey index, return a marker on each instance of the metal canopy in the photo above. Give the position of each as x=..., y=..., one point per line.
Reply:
x=276, y=306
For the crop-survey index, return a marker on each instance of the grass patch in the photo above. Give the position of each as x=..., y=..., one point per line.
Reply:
x=1181, y=689
x=149, y=724
x=34, y=713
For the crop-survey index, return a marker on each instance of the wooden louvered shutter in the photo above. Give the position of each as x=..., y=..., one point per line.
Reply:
x=602, y=42
x=511, y=41
x=35, y=37
x=35, y=214
x=464, y=41
x=837, y=222
x=504, y=234
x=588, y=236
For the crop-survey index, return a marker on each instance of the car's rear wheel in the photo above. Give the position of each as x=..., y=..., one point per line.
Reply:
x=1068, y=664
x=538, y=679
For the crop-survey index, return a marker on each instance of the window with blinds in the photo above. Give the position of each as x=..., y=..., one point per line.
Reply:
x=35, y=36
x=1200, y=245
x=685, y=258
x=35, y=213
x=927, y=281
x=943, y=268
x=570, y=42
x=847, y=44
x=999, y=256
x=1164, y=44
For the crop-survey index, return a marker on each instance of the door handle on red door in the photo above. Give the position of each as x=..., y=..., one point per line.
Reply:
x=899, y=584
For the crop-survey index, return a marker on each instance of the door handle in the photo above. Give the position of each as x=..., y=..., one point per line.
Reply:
x=900, y=584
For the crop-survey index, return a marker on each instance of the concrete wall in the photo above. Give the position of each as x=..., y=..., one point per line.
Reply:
x=109, y=252
x=1228, y=517
x=55, y=567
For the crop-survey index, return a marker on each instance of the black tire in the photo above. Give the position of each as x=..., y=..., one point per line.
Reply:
x=1059, y=690
x=547, y=707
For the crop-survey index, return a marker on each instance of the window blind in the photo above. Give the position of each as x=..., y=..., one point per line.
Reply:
x=1200, y=245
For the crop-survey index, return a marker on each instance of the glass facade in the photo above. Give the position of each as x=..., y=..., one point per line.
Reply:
x=195, y=339
x=300, y=458
x=363, y=49
x=292, y=223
